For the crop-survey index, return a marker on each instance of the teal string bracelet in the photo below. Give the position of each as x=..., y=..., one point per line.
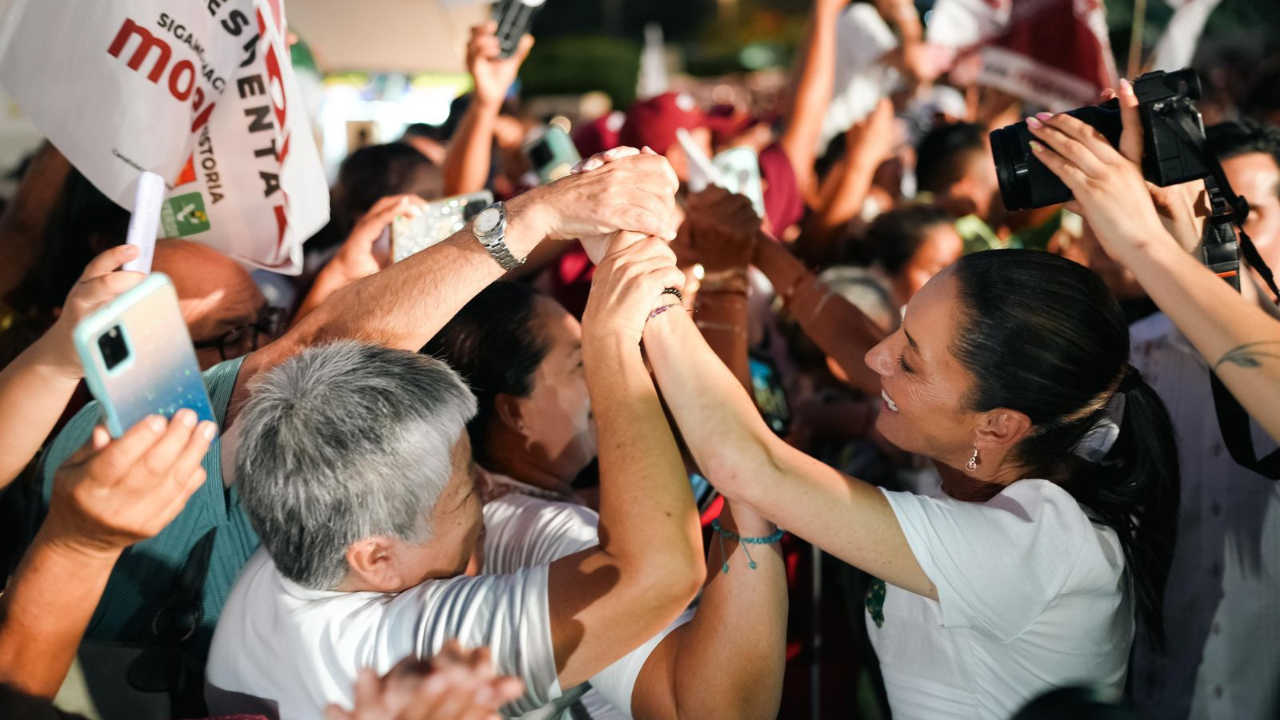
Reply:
x=746, y=543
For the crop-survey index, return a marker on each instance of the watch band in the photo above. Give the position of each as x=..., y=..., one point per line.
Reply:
x=500, y=252
x=494, y=241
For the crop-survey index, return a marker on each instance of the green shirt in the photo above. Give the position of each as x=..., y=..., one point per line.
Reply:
x=141, y=582
x=978, y=236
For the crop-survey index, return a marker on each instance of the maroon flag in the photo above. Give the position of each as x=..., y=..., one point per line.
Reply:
x=1052, y=52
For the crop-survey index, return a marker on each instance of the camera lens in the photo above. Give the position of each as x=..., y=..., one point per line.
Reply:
x=113, y=347
x=1025, y=182
x=1011, y=156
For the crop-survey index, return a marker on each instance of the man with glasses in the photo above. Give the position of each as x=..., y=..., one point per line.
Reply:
x=225, y=311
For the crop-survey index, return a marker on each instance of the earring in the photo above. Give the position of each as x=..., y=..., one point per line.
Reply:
x=973, y=461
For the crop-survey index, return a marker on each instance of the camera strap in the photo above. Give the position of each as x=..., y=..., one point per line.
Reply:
x=1223, y=242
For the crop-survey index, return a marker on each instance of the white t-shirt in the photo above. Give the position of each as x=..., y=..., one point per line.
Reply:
x=1032, y=595
x=287, y=651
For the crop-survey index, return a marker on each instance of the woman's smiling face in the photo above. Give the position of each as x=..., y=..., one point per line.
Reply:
x=924, y=387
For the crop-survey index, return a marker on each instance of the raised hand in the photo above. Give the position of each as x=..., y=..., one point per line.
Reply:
x=100, y=283
x=356, y=258
x=723, y=228
x=456, y=684
x=1109, y=188
x=1176, y=205
x=629, y=190
x=628, y=285
x=493, y=74
x=112, y=494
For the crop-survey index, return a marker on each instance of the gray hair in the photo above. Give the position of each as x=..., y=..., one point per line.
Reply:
x=343, y=442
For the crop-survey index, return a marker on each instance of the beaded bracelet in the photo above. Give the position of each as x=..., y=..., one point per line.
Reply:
x=661, y=309
x=745, y=542
x=674, y=291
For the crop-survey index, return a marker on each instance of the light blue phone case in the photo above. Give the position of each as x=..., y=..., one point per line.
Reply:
x=160, y=375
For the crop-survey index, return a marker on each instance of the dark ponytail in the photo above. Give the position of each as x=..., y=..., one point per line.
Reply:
x=496, y=344
x=1043, y=336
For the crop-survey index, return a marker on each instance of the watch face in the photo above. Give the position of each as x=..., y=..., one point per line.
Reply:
x=487, y=221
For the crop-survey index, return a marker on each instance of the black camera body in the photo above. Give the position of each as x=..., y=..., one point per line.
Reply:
x=1173, y=134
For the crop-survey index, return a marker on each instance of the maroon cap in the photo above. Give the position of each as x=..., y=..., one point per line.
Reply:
x=600, y=134
x=783, y=204
x=654, y=122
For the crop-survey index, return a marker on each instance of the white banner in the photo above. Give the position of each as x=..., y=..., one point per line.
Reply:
x=201, y=93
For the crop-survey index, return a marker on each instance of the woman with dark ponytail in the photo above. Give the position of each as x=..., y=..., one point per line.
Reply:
x=1053, y=525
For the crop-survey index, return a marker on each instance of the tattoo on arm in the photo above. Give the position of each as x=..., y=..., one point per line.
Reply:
x=1249, y=355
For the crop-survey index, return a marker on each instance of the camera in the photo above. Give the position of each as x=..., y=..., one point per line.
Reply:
x=113, y=347
x=1173, y=133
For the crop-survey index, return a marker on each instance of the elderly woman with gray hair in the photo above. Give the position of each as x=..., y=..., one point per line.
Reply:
x=354, y=467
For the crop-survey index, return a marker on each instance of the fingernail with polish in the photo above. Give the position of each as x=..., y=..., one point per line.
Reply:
x=155, y=423
x=1034, y=123
x=208, y=430
x=1044, y=115
x=186, y=417
x=1037, y=147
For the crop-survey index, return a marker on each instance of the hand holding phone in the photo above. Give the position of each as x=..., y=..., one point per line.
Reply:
x=514, y=18
x=138, y=359
x=434, y=223
x=101, y=282
x=493, y=65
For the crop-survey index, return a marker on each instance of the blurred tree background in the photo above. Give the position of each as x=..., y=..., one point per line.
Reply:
x=595, y=44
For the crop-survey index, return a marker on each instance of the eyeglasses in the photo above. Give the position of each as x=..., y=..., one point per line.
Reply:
x=245, y=339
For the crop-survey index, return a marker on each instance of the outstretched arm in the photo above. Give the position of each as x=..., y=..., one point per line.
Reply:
x=728, y=661
x=466, y=164
x=36, y=387
x=731, y=443
x=836, y=325
x=814, y=85
x=106, y=497
x=406, y=304
x=1238, y=340
x=844, y=192
x=608, y=600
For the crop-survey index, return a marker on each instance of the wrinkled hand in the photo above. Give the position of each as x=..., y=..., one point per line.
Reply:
x=493, y=74
x=456, y=684
x=623, y=189
x=113, y=493
x=1176, y=205
x=627, y=286
x=722, y=229
x=1109, y=188
x=356, y=258
x=100, y=283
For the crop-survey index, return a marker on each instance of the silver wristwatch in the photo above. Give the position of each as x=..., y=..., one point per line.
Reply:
x=490, y=228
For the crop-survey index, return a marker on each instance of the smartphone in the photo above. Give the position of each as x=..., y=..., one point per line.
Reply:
x=739, y=172
x=769, y=394
x=138, y=359
x=551, y=152
x=144, y=223
x=514, y=18
x=437, y=221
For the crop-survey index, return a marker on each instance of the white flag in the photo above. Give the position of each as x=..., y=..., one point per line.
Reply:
x=201, y=94
x=1178, y=44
